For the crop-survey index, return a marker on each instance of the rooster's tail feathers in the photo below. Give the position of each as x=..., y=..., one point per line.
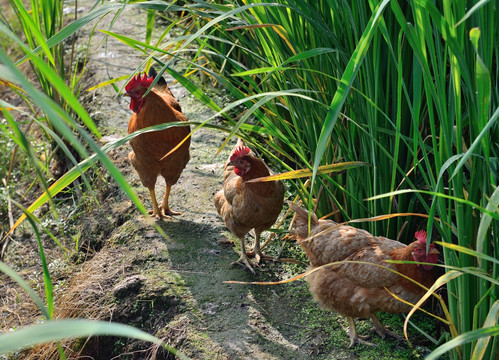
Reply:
x=240, y=143
x=161, y=82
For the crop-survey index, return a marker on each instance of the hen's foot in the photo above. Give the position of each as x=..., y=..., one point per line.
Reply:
x=170, y=212
x=244, y=261
x=383, y=331
x=258, y=255
x=358, y=339
x=163, y=214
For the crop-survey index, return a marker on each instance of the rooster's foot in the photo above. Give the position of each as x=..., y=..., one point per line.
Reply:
x=159, y=215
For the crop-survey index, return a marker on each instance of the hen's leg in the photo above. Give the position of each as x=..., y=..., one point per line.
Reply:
x=166, y=208
x=256, y=248
x=243, y=260
x=383, y=331
x=354, y=337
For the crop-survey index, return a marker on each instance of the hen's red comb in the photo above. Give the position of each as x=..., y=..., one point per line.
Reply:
x=137, y=80
x=239, y=152
x=421, y=236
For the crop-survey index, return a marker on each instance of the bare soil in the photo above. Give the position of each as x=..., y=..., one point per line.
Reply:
x=173, y=286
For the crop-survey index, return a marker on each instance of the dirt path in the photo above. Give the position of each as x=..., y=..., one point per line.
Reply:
x=174, y=287
x=185, y=273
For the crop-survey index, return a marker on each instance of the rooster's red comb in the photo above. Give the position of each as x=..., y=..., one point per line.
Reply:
x=137, y=80
x=239, y=152
x=421, y=236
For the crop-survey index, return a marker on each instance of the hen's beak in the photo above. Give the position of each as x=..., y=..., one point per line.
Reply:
x=433, y=251
x=127, y=94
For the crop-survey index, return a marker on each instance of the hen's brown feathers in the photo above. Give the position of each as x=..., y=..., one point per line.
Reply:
x=245, y=206
x=358, y=289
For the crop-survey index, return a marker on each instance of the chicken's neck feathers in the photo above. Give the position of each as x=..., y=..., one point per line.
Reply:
x=156, y=110
x=258, y=169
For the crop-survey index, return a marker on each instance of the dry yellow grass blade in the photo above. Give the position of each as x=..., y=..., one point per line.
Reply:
x=323, y=169
x=109, y=82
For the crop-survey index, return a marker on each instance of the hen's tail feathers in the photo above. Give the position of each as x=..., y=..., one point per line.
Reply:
x=219, y=200
x=301, y=221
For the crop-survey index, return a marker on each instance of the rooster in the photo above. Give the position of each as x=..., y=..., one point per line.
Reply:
x=245, y=206
x=150, y=149
x=358, y=289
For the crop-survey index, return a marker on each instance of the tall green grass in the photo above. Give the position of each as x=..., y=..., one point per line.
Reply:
x=407, y=87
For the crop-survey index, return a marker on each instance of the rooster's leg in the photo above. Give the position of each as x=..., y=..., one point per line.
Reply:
x=243, y=260
x=354, y=337
x=156, y=212
x=383, y=331
x=166, y=208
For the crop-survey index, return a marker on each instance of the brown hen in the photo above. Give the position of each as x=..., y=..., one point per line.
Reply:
x=245, y=206
x=150, y=149
x=360, y=290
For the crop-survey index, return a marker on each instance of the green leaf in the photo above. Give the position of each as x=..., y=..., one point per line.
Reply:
x=467, y=337
x=344, y=86
x=55, y=330
x=482, y=343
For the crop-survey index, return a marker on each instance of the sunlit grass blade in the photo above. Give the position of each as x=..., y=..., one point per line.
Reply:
x=477, y=254
x=109, y=82
x=32, y=30
x=491, y=213
x=55, y=330
x=467, y=337
x=490, y=321
x=442, y=280
x=47, y=281
x=323, y=169
x=486, y=222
